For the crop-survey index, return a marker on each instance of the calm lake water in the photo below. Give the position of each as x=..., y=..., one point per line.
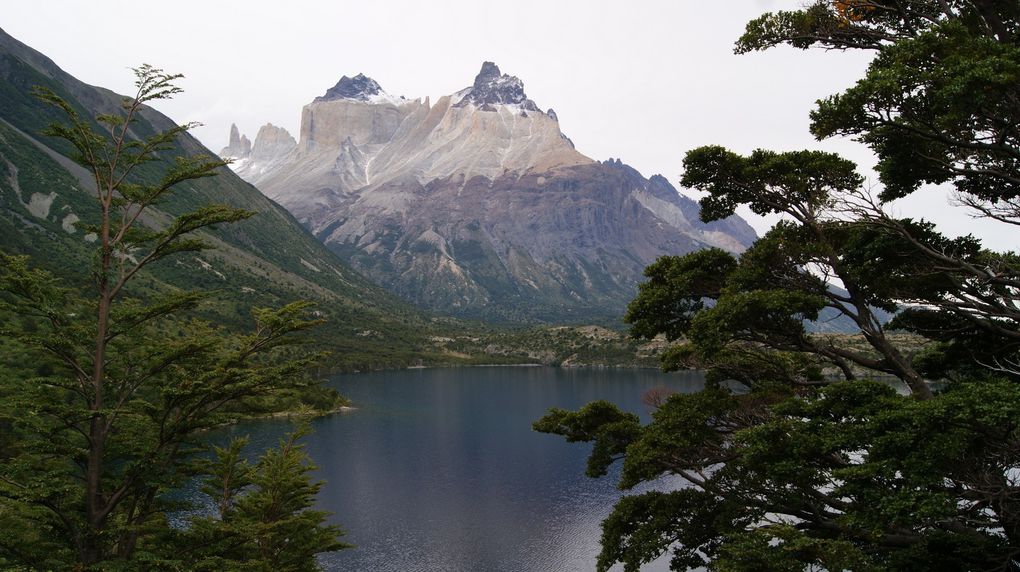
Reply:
x=439, y=470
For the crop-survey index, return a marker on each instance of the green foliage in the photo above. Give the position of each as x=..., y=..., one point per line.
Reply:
x=797, y=469
x=775, y=314
x=938, y=102
x=599, y=422
x=643, y=527
x=751, y=366
x=766, y=181
x=854, y=474
x=264, y=519
x=936, y=108
x=113, y=391
x=676, y=290
x=784, y=548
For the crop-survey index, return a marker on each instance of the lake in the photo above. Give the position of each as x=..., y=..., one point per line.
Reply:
x=439, y=470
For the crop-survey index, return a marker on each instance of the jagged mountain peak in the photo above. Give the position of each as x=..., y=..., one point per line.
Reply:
x=358, y=88
x=478, y=205
x=494, y=88
x=238, y=147
x=489, y=71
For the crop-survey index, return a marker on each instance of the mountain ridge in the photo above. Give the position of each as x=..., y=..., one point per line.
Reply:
x=478, y=205
x=267, y=260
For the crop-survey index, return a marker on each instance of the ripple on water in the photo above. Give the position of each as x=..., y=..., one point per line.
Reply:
x=439, y=470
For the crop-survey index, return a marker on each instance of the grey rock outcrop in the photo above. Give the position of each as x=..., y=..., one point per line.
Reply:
x=238, y=147
x=272, y=143
x=477, y=205
x=359, y=87
x=492, y=88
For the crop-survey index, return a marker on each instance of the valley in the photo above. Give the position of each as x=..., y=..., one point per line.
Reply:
x=475, y=206
x=380, y=332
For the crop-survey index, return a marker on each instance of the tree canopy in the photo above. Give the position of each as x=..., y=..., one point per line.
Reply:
x=807, y=447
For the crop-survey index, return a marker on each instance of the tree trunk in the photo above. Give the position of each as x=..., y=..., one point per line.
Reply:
x=95, y=513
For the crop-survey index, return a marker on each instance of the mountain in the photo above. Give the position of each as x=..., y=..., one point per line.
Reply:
x=269, y=259
x=476, y=205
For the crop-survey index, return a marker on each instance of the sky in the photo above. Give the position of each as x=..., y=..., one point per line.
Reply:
x=643, y=80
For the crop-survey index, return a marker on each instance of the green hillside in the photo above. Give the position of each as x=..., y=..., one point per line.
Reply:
x=266, y=260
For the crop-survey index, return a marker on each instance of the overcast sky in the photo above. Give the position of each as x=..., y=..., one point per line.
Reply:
x=643, y=81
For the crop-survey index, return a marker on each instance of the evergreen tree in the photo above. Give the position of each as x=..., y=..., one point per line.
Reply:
x=264, y=519
x=101, y=419
x=787, y=466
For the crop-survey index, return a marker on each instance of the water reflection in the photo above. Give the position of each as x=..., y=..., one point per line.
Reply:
x=439, y=470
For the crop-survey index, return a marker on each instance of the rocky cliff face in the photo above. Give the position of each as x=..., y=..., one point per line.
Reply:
x=238, y=147
x=272, y=145
x=359, y=87
x=492, y=88
x=476, y=205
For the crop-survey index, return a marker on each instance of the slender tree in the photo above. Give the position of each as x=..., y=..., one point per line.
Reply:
x=264, y=518
x=102, y=432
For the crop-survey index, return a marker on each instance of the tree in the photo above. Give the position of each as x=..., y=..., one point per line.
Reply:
x=109, y=423
x=785, y=466
x=263, y=520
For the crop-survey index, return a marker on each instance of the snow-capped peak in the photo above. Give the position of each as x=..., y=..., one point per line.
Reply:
x=359, y=88
x=493, y=88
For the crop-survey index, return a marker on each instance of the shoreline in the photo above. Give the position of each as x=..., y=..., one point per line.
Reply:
x=527, y=364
